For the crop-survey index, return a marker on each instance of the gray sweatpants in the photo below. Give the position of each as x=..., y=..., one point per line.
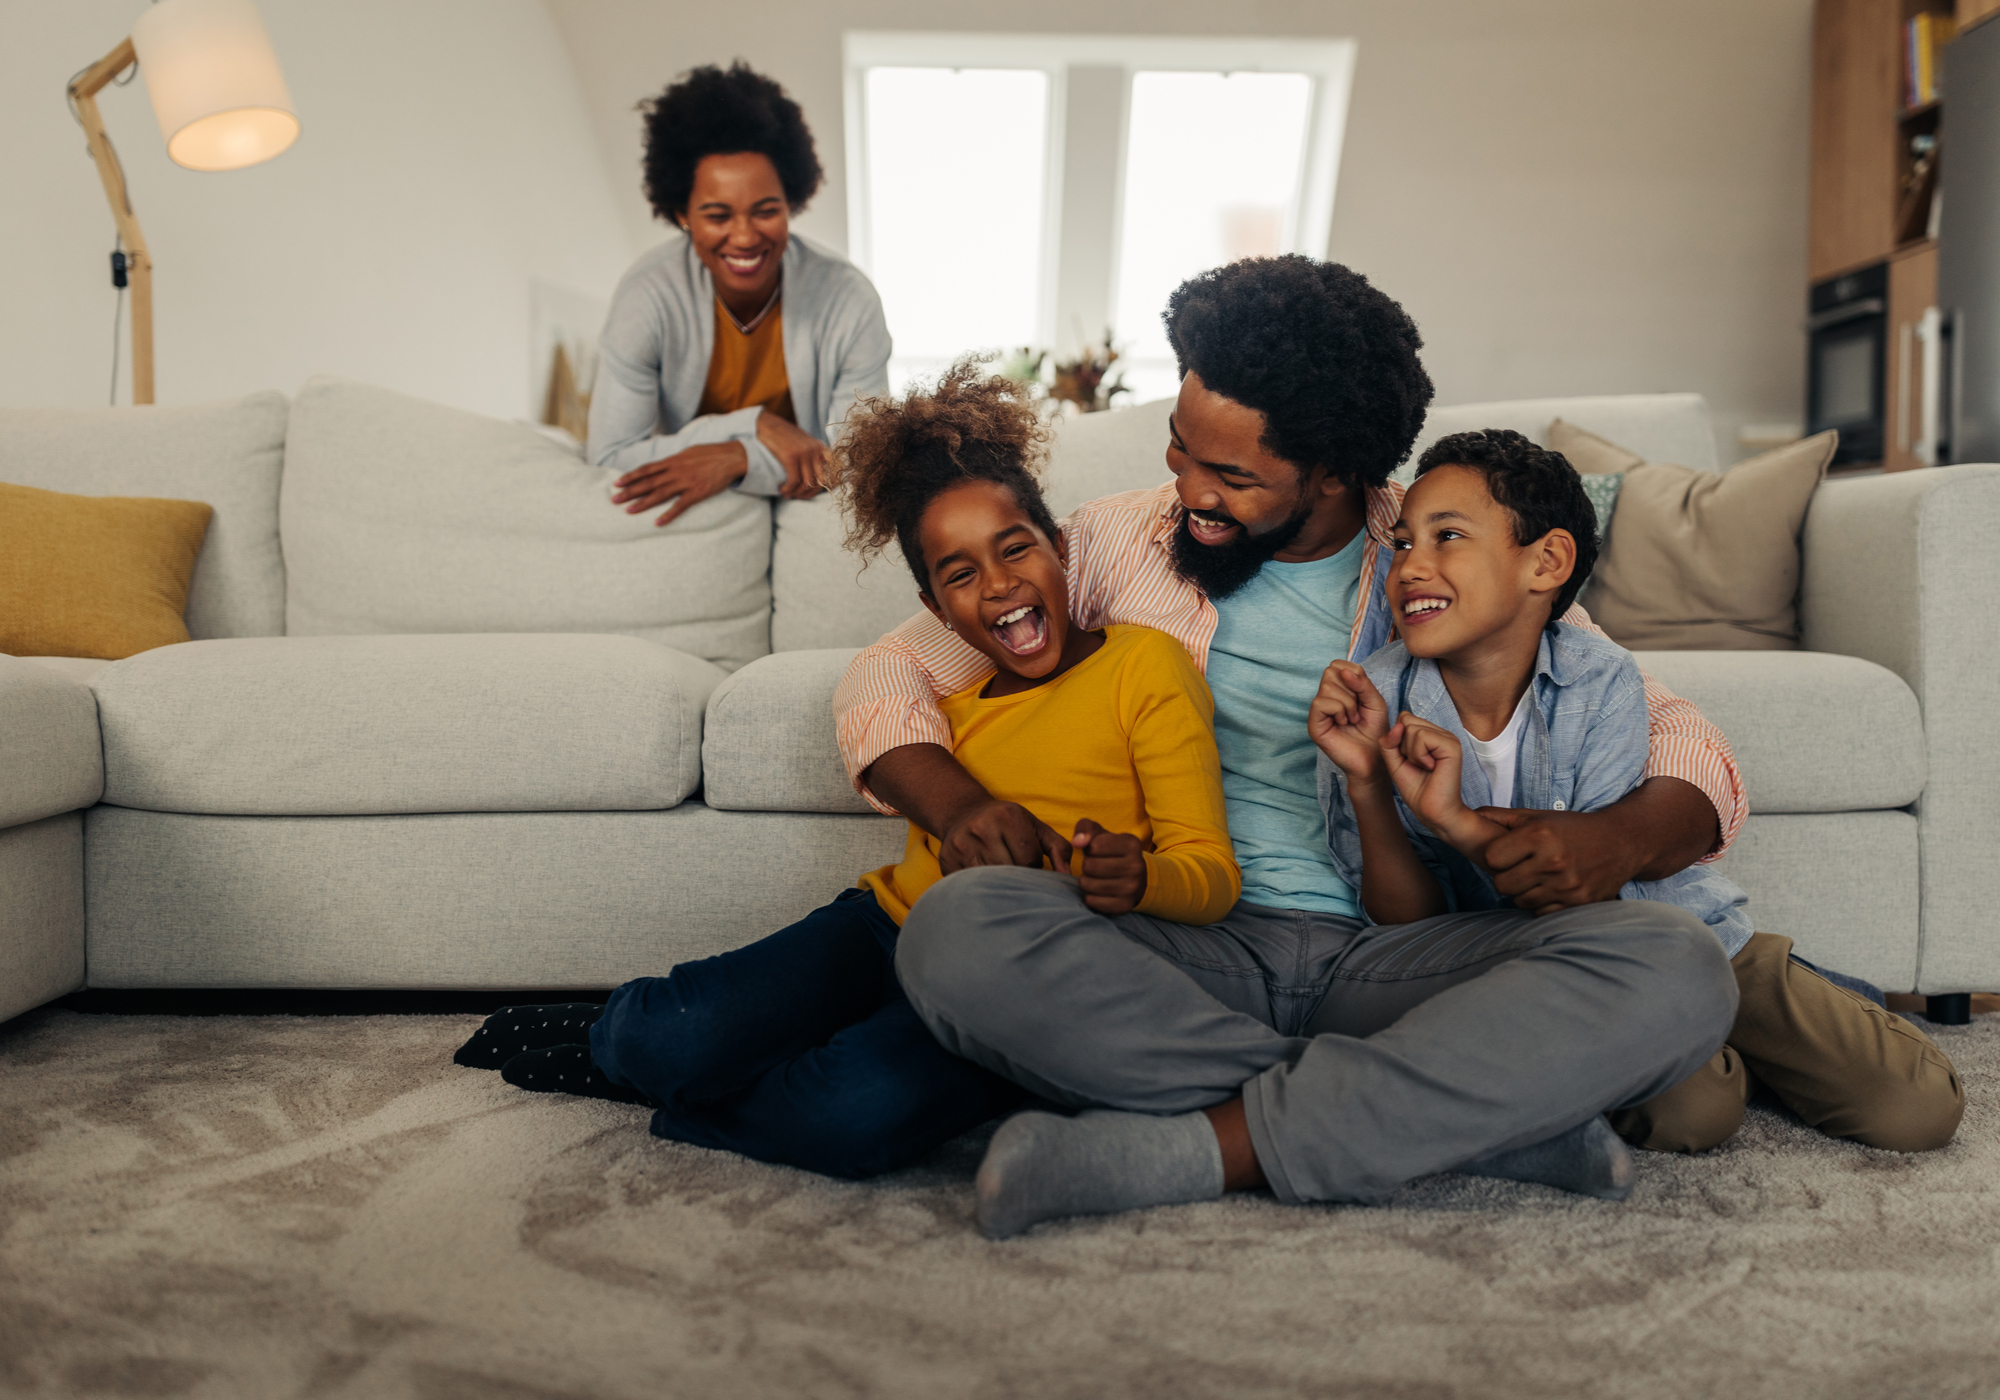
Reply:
x=1365, y=1056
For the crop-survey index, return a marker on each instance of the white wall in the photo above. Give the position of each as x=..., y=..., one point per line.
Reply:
x=447, y=160
x=1570, y=196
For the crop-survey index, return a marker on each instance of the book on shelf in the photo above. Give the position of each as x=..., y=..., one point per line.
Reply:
x=1924, y=37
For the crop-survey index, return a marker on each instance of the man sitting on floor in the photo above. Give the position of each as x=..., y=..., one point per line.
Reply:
x=1288, y=1044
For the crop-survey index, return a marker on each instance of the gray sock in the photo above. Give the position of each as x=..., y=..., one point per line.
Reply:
x=1589, y=1159
x=1041, y=1166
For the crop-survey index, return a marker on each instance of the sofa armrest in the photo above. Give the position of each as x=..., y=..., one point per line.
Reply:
x=1901, y=570
x=51, y=763
x=51, y=759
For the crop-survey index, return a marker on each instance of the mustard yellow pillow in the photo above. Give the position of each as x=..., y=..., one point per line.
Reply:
x=101, y=576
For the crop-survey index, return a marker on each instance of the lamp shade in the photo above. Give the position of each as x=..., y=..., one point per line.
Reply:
x=216, y=86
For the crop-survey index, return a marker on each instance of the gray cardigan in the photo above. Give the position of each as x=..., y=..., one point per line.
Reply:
x=653, y=358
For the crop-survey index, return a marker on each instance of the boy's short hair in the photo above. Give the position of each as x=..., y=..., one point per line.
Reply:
x=1539, y=488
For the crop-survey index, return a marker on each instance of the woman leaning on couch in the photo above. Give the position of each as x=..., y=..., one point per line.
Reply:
x=731, y=353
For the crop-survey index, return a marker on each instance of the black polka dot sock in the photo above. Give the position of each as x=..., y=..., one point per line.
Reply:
x=514, y=1029
x=565, y=1069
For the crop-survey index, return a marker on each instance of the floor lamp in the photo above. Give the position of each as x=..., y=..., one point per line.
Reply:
x=222, y=104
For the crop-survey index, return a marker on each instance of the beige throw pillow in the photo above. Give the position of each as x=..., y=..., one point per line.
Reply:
x=1699, y=562
x=1588, y=453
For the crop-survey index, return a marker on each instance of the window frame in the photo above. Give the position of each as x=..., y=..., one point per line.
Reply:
x=1327, y=63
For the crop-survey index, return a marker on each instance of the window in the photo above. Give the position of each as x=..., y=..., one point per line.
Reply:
x=955, y=207
x=1008, y=190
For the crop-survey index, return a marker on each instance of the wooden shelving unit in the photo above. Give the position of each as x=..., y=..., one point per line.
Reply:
x=1871, y=180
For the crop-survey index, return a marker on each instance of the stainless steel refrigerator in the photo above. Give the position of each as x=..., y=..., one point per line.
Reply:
x=1967, y=394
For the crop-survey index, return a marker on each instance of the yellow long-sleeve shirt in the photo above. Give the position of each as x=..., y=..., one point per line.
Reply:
x=1125, y=737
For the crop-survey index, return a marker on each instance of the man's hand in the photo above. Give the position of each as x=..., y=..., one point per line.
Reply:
x=1114, y=868
x=803, y=456
x=929, y=786
x=691, y=475
x=1557, y=860
x=999, y=833
x=1347, y=721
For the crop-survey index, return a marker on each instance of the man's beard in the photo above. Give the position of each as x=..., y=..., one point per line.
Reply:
x=1221, y=569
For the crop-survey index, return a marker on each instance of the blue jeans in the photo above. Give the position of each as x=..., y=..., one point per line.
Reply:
x=800, y=1049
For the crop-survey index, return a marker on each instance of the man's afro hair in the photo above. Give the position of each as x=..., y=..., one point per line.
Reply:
x=712, y=111
x=1538, y=487
x=1328, y=360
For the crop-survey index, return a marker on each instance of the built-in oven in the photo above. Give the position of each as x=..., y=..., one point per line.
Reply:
x=1847, y=357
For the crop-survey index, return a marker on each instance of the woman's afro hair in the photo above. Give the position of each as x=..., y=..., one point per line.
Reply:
x=1328, y=360
x=1538, y=487
x=899, y=457
x=712, y=111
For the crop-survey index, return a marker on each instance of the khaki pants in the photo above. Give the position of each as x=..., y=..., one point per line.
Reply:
x=1842, y=1063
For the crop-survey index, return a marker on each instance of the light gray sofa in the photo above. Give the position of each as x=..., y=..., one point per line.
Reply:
x=452, y=721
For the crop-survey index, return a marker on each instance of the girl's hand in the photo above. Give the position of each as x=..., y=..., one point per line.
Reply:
x=1114, y=868
x=1426, y=764
x=1347, y=720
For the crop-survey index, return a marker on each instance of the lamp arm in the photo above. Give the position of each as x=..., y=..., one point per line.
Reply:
x=139, y=263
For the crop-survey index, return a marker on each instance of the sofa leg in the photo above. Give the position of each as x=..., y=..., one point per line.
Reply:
x=1953, y=1009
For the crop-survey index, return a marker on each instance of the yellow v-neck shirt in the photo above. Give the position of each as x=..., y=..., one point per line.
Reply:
x=1125, y=737
x=748, y=370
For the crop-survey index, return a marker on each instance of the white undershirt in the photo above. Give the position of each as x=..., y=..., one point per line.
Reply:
x=1500, y=755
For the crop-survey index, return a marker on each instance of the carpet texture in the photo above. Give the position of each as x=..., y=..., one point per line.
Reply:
x=327, y=1207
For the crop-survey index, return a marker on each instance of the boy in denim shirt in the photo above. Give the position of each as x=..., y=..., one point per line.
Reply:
x=1495, y=541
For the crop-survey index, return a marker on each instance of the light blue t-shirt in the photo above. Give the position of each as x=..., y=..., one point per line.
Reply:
x=1274, y=638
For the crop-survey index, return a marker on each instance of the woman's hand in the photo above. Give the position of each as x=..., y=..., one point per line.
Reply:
x=803, y=456
x=1114, y=868
x=693, y=474
x=1347, y=721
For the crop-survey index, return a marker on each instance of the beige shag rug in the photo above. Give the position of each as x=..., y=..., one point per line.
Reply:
x=327, y=1207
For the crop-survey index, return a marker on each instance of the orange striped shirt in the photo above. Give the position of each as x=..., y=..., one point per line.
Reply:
x=1121, y=570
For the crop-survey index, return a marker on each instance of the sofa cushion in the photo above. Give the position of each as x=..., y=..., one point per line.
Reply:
x=80, y=668
x=822, y=596
x=331, y=726
x=50, y=759
x=406, y=516
x=768, y=744
x=1658, y=427
x=1102, y=454
x=1813, y=732
x=229, y=455
x=1704, y=561
x=94, y=576
x=1589, y=453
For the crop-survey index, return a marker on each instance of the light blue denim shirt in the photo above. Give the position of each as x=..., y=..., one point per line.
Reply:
x=1584, y=747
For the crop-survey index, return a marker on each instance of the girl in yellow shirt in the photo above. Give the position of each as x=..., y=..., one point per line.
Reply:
x=801, y=1048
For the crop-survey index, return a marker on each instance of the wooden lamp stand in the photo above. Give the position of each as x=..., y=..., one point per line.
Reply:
x=138, y=262
x=222, y=104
